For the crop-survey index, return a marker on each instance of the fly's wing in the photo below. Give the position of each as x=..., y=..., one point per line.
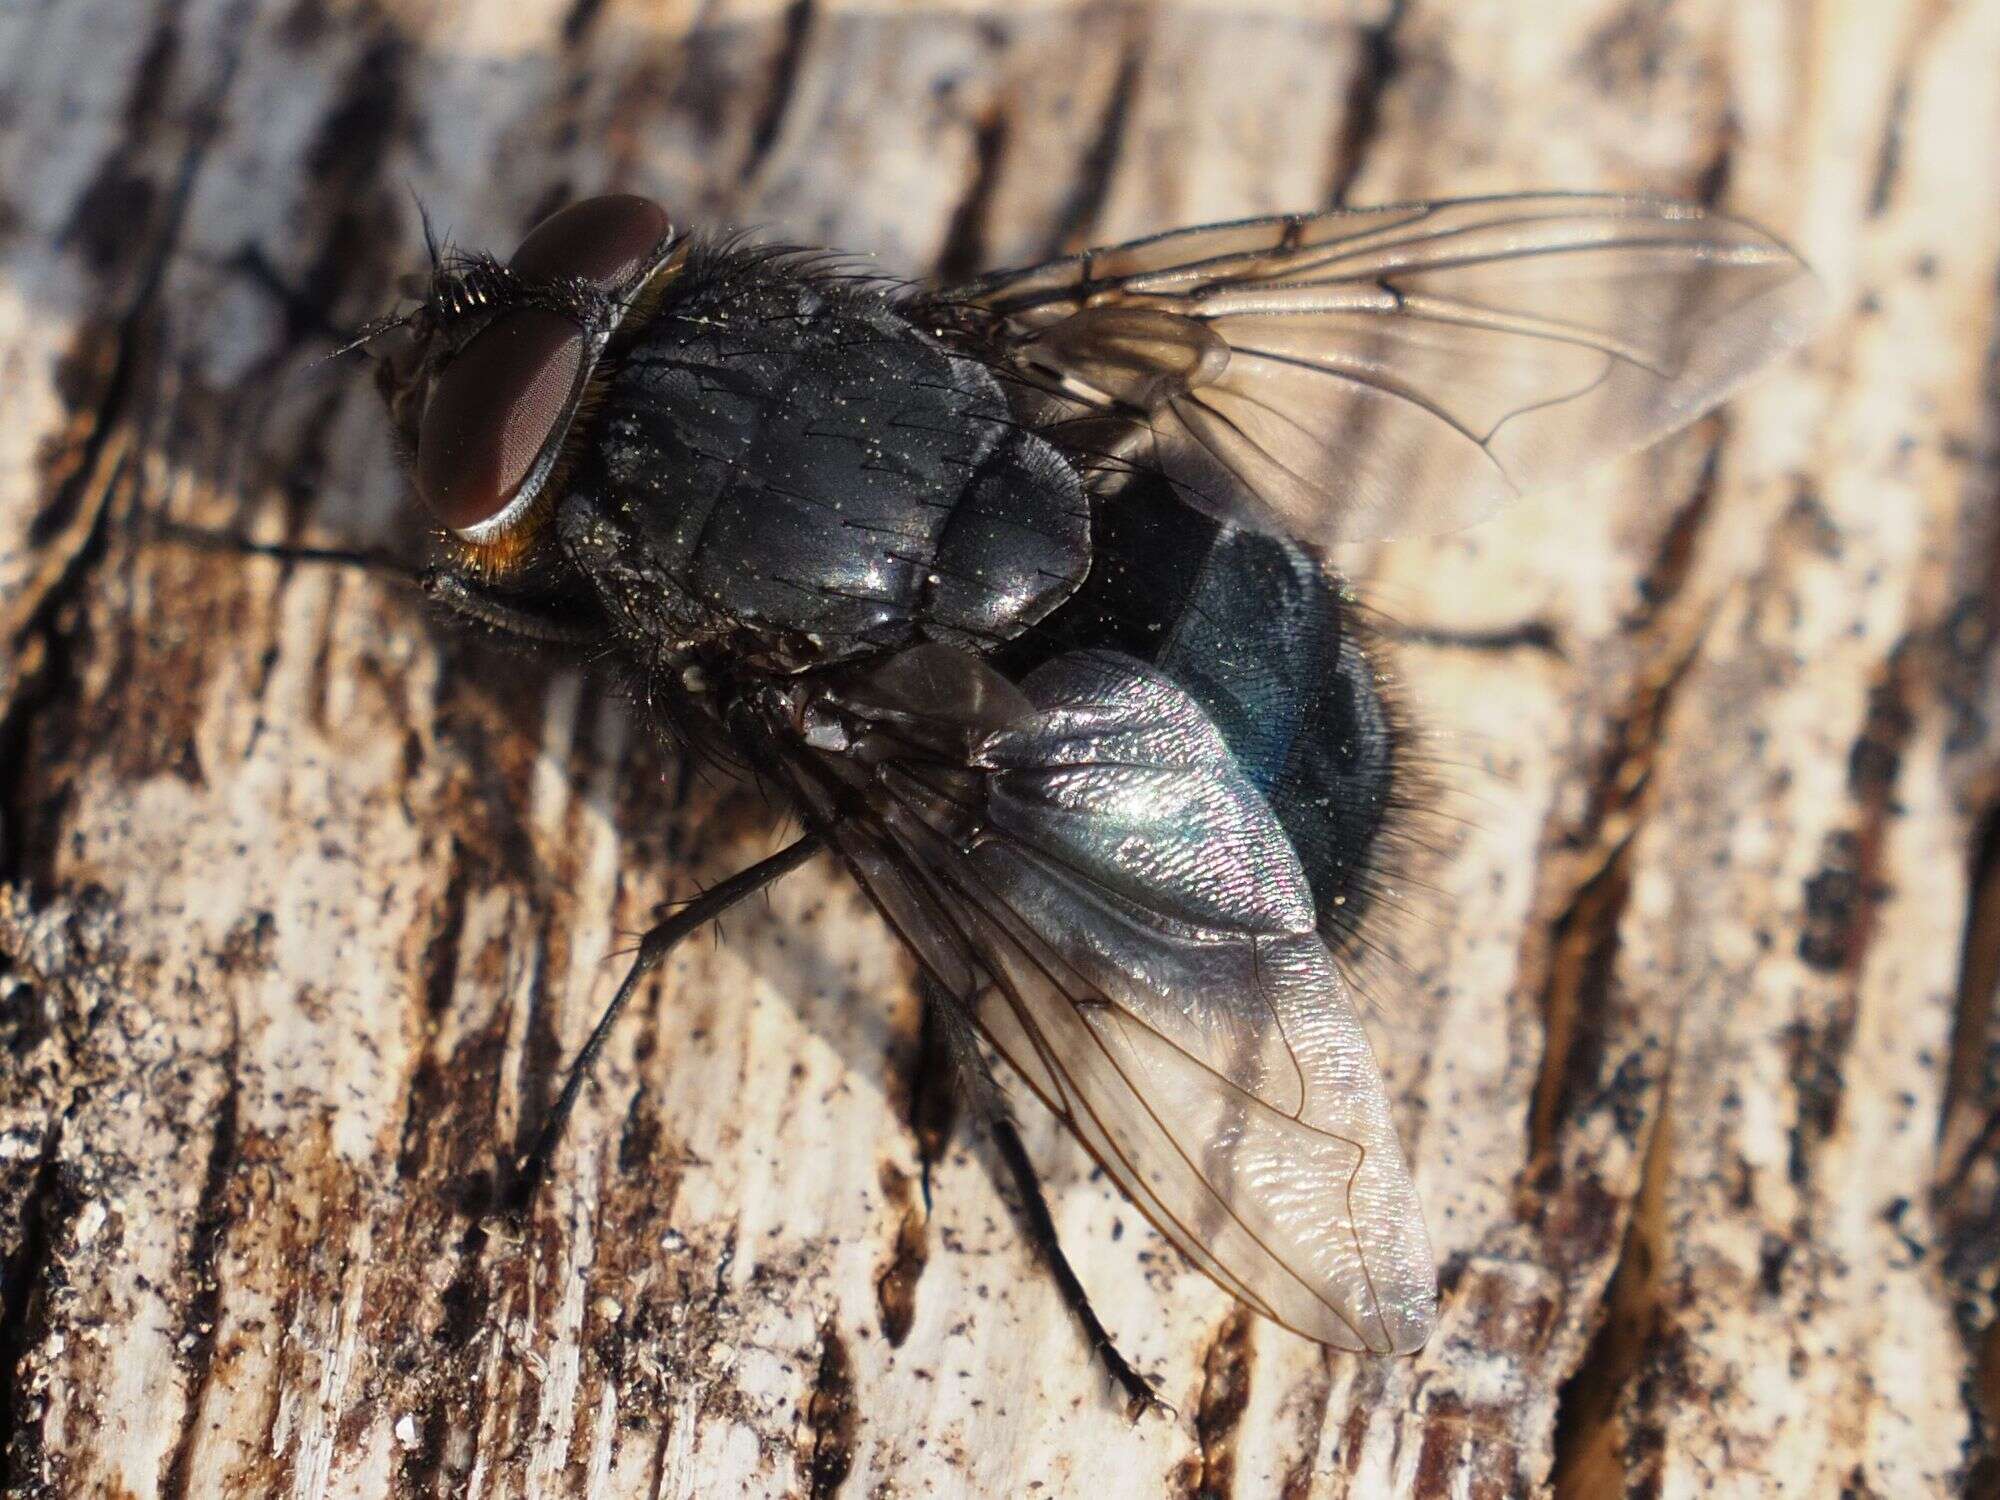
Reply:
x=1082, y=863
x=1366, y=373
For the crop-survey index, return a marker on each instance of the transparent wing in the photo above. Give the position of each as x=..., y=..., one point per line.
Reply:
x=1365, y=373
x=1081, y=862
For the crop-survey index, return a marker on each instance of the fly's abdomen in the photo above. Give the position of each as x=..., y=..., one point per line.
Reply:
x=805, y=465
x=1267, y=641
x=1259, y=635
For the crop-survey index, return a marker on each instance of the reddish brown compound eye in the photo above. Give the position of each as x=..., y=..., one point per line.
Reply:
x=609, y=242
x=498, y=407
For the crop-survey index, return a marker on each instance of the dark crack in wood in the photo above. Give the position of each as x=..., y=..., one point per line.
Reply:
x=1594, y=1453
x=1969, y=1130
x=25, y=1273
x=964, y=253
x=1375, y=69
x=1584, y=934
x=786, y=68
x=1076, y=219
x=213, y=1216
x=1218, y=1414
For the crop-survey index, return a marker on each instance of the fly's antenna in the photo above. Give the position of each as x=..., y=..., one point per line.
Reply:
x=366, y=334
x=375, y=328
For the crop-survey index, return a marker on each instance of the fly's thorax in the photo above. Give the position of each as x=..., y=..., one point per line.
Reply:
x=645, y=601
x=788, y=465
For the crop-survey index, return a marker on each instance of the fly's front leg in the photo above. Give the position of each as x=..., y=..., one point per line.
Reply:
x=368, y=559
x=506, y=616
x=461, y=596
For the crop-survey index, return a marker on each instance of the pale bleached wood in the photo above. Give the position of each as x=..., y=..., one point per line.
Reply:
x=308, y=898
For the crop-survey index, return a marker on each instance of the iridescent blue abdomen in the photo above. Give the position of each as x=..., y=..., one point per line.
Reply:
x=1260, y=635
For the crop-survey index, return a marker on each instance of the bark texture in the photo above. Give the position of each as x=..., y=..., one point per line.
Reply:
x=306, y=900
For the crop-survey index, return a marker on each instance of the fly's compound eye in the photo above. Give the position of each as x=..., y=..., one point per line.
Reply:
x=492, y=434
x=615, y=243
x=493, y=427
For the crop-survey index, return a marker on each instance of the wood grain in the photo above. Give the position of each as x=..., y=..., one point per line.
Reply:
x=307, y=898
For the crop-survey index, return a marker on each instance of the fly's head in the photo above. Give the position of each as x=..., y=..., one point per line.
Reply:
x=492, y=378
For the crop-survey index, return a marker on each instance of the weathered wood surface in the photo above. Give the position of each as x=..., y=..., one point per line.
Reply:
x=309, y=899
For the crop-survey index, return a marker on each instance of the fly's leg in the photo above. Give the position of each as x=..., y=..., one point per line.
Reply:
x=935, y=1093
x=1139, y=1393
x=460, y=596
x=367, y=559
x=504, y=616
x=653, y=947
x=980, y=1087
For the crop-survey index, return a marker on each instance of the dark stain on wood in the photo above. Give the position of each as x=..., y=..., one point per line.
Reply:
x=447, y=1158
x=108, y=228
x=1876, y=758
x=1889, y=151
x=1973, y=1077
x=896, y=1284
x=831, y=1418
x=1837, y=900
x=354, y=136
x=577, y=23
x=1816, y=1051
x=1673, y=560
x=1225, y=1393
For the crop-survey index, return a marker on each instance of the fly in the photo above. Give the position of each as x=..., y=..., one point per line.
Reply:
x=1013, y=592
